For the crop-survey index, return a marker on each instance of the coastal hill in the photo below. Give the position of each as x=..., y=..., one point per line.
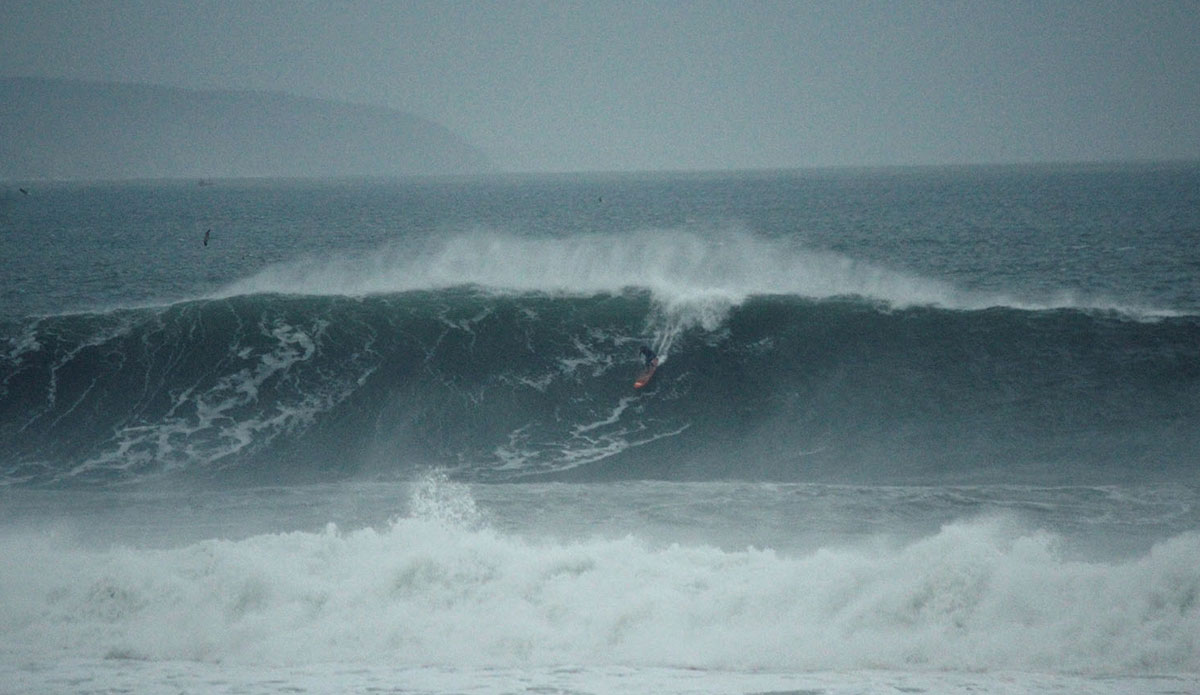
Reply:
x=66, y=129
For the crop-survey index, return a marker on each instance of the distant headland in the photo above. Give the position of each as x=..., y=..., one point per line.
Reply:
x=76, y=130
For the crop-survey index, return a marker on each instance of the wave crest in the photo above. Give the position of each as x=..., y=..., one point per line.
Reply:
x=679, y=267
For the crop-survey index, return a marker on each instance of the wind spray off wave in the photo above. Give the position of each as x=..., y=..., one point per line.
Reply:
x=677, y=266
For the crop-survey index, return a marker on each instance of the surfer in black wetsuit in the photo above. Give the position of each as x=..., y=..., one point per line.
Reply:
x=648, y=355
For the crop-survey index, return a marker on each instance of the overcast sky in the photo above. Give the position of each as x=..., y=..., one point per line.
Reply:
x=569, y=86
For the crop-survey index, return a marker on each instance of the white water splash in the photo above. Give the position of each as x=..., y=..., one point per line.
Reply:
x=694, y=276
x=677, y=266
x=975, y=596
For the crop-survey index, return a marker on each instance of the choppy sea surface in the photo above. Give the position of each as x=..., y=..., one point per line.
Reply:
x=918, y=430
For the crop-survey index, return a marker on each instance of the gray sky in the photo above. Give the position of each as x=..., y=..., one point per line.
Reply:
x=568, y=86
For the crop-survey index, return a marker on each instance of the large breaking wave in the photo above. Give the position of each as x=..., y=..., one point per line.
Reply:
x=529, y=384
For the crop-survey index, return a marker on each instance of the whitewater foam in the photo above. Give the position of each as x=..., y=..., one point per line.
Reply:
x=437, y=586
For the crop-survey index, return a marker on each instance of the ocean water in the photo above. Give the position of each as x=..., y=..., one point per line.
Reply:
x=918, y=430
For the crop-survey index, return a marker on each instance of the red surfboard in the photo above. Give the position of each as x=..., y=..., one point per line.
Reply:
x=644, y=377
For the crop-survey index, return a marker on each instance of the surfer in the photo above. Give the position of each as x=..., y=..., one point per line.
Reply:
x=651, y=365
x=206, y=233
x=648, y=355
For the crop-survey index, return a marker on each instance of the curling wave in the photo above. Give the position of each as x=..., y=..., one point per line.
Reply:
x=522, y=385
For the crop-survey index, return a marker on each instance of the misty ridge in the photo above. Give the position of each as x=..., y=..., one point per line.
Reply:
x=68, y=129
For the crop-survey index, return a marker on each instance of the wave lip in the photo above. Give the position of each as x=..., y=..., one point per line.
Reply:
x=697, y=272
x=676, y=265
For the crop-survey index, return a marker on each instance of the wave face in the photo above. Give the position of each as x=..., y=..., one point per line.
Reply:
x=537, y=385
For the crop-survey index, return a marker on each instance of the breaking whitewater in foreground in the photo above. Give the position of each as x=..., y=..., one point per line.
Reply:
x=579, y=588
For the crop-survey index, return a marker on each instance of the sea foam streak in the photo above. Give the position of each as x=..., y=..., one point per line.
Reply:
x=441, y=587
